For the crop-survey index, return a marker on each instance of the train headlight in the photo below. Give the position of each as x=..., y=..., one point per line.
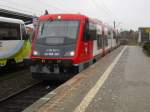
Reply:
x=35, y=53
x=72, y=53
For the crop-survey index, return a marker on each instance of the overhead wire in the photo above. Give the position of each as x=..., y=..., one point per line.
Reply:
x=105, y=6
x=106, y=12
x=52, y=6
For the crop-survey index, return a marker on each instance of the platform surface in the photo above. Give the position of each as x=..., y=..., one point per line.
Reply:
x=119, y=82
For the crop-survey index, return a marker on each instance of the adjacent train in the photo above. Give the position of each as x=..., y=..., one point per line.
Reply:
x=69, y=42
x=14, y=41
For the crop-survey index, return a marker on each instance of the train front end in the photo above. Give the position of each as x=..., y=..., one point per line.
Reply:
x=56, y=46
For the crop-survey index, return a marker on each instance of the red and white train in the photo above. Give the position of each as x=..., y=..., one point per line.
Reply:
x=66, y=42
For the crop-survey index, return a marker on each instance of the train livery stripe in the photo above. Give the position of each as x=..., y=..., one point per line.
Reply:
x=10, y=48
x=20, y=55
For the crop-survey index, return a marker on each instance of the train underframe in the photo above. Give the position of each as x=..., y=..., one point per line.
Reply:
x=56, y=69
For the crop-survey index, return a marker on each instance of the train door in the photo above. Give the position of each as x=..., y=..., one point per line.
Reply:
x=105, y=40
x=97, y=47
x=114, y=39
x=110, y=38
x=88, y=42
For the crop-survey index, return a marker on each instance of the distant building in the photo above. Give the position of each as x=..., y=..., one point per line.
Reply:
x=144, y=34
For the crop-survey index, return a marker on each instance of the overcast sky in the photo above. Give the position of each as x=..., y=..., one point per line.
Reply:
x=128, y=14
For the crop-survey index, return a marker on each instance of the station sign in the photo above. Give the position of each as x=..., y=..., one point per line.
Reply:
x=147, y=30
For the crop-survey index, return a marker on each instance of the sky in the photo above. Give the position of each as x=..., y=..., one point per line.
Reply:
x=128, y=14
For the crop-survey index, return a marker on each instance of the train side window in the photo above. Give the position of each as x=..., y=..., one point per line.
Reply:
x=105, y=41
x=23, y=32
x=109, y=34
x=99, y=41
x=93, y=31
x=9, y=31
x=102, y=41
x=93, y=35
x=114, y=35
x=86, y=31
x=99, y=36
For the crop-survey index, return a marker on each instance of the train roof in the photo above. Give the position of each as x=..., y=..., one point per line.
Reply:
x=74, y=16
x=69, y=16
x=11, y=20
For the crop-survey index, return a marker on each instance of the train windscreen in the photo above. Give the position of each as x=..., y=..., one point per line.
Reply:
x=58, y=32
x=9, y=31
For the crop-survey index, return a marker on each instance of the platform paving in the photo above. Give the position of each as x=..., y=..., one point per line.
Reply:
x=127, y=88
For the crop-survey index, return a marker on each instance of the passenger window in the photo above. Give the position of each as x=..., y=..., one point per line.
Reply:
x=99, y=41
x=99, y=36
x=109, y=34
x=9, y=31
x=93, y=31
x=114, y=35
x=105, y=41
x=93, y=35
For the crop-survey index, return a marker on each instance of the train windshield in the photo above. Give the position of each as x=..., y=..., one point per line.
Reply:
x=9, y=31
x=58, y=32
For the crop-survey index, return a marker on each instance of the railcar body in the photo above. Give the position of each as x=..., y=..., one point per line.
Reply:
x=66, y=42
x=14, y=43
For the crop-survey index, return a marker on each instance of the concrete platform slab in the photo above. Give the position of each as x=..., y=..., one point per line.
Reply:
x=128, y=87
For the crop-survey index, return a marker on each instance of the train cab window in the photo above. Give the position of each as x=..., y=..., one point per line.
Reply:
x=9, y=31
x=58, y=32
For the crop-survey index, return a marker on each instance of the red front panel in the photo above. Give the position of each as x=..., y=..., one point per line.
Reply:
x=83, y=50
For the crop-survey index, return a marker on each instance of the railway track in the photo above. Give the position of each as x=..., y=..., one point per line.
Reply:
x=18, y=90
x=12, y=69
x=15, y=93
x=11, y=74
x=18, y=101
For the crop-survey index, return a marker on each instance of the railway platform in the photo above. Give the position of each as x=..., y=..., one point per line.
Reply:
x=119, y=82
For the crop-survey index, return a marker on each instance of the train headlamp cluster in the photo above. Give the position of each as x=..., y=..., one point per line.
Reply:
x=59, y=17
x=72, y=53
x=35, y=53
